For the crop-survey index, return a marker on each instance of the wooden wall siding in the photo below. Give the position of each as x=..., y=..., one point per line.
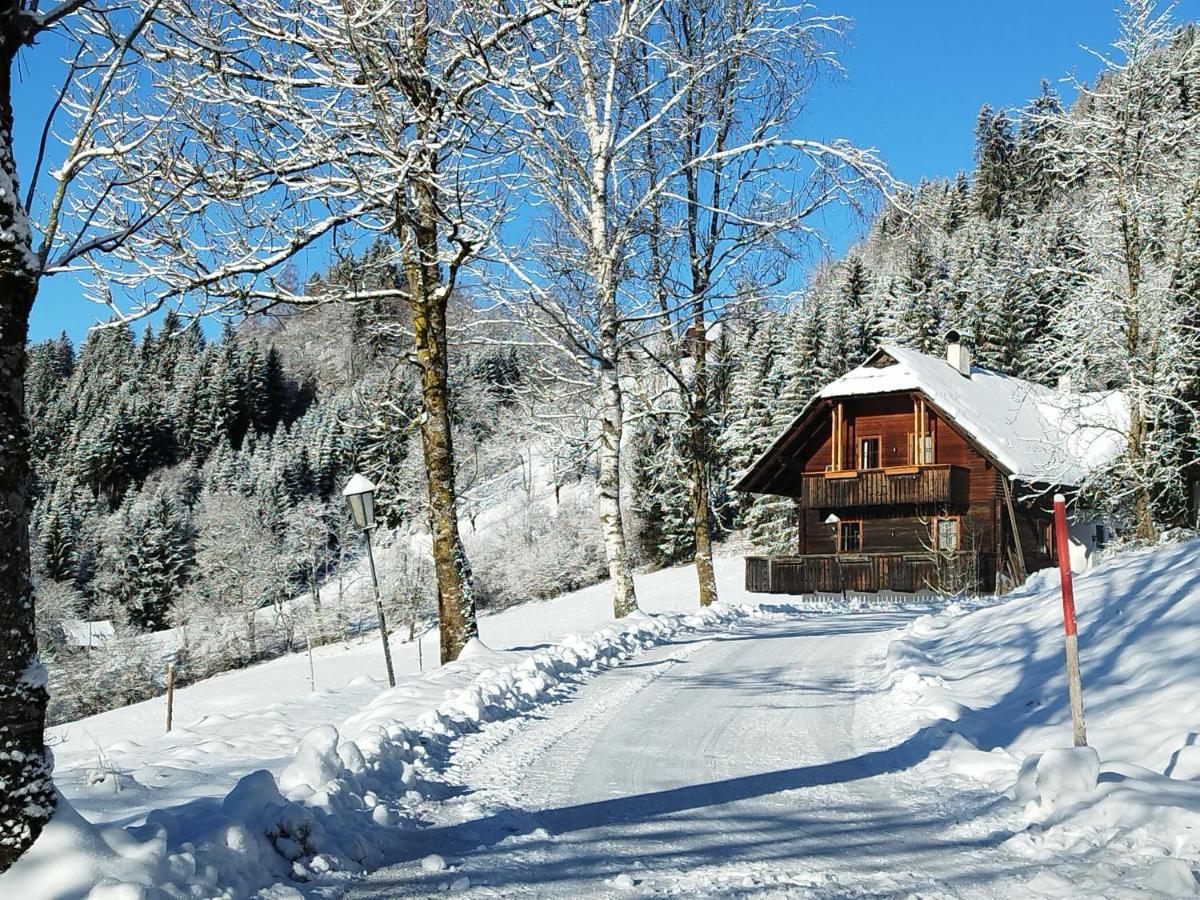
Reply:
x=895, y=515
x=929, y=486
x=884, y=530
x=867, y=573
x=817, y=455
x=757, y=575
x=888, y=418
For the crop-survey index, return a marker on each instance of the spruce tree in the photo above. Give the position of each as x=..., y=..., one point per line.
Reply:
x=58, y=530
x=994, y=177
x=918, y=312
x=665, y=533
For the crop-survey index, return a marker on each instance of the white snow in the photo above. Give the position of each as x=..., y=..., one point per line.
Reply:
x=269, y=778
x=82, y=633
x=750, y=749
x=1124, y=813
x=1066, y=773
x=359, y=484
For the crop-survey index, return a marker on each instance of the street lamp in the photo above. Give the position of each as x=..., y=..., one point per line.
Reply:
x=833, y=522
x=360, y=496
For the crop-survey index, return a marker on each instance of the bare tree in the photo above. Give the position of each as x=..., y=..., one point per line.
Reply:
x=1129, y=149
x=733, y=223
x=71, y=212
x=232, y=581
x=649, y=115
x=338, y=123
x=307, y=542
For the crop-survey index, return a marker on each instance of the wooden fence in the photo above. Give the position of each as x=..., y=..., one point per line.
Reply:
x=913, y=485
x=866, y=573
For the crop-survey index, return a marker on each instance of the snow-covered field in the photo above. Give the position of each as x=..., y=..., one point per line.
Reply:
x=749, y=749
x=993, y=682
x=173, y=789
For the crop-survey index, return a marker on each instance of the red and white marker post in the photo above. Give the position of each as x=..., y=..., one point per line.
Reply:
x=1074, y=685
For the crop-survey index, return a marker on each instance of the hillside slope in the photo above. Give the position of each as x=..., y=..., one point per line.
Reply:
x=994, y=678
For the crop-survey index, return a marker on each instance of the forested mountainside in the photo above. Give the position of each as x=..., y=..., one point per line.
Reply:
x=1071, y=252
x=188, y=481
x=180, y=479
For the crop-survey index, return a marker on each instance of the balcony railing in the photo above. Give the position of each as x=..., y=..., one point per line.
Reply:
x=907, y=486
x=869, y=572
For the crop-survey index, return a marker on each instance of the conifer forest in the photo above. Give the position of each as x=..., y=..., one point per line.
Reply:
x=550, y=275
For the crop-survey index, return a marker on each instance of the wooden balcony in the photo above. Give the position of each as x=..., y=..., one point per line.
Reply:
x=870, y=573
x=907, y=486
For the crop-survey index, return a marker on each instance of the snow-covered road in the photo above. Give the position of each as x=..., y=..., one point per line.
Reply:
x=762, y=760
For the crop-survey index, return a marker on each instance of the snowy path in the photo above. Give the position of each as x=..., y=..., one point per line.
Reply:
x=757, y=761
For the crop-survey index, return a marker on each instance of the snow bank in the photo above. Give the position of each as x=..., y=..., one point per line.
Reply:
x=1123, y=814
x=346, y=799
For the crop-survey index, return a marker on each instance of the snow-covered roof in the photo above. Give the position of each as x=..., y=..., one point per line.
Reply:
x=81, y=633
x=1034, y=432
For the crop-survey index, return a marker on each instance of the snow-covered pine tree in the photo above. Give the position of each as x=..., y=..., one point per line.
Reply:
x=797, y=373
x=853, y=326
x=752, y=395
x=1131, y=323
x=144, y=559
x=659, y=481
x=1038, y=170
x=58, y=532
x=865, y=316
x=917, y=315
x=994, y=146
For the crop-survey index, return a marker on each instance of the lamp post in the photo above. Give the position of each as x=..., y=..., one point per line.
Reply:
x=360, y=496
x=833, y=522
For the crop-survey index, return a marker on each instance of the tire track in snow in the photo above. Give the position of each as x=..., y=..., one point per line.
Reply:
x=504, y=758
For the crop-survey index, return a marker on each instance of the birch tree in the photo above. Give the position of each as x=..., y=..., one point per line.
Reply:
x=650, y=111
x=738, y=225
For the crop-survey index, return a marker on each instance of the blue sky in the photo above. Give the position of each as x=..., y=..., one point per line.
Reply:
x=916, y=75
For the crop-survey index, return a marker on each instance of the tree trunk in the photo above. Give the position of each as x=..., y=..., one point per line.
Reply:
x=609, y=493
x=428, y=299
x=456, y=596
x=27, y=795
x=428, y=302
x=698, y=440
x=1143, y=508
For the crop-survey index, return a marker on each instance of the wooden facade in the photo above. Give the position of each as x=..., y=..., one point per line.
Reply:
x=919, y=504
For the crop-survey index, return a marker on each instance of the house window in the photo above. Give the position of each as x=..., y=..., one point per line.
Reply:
x=947, y=534
x=850, y=537
x=868, y=453
x=1046, y=544
x=921, y=449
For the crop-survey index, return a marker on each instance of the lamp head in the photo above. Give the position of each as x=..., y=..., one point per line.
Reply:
x=360, y=496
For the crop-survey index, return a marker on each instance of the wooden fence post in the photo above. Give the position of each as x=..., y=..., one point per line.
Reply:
x=1074, y=682
x=312, y=672
x=170, y=693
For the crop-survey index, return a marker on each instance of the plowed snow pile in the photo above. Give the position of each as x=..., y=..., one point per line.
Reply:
x=349, y=795
x=1122, y=816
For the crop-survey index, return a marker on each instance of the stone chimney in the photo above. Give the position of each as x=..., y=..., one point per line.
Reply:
x=958, y=353
x=1066, y=384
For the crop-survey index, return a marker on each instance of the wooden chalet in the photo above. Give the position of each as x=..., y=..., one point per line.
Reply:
x=915, y=473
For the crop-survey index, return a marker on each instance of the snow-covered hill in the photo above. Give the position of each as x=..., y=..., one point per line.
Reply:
x=270, y=784
x=196, y=786
x=994, y=679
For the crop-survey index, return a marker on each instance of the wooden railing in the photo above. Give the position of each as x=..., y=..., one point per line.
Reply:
x=866, y=573
x=907, y=486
